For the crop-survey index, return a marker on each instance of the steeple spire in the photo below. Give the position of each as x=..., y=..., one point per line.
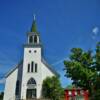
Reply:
x=34, y=27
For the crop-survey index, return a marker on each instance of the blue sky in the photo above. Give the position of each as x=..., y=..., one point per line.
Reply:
x=63, y=24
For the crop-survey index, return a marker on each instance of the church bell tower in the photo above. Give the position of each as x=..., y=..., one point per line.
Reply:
x=33, y=35
x=32, y=70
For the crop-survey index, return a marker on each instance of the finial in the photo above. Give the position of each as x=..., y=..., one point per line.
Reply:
x=34, y=17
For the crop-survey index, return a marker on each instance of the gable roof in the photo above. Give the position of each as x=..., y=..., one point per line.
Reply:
x=49, y=67
x=12, y=70
x=43, y=61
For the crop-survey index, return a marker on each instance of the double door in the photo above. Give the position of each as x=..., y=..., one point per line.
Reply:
x=31, y=93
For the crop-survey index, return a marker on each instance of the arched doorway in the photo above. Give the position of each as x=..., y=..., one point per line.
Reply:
x=31, y=89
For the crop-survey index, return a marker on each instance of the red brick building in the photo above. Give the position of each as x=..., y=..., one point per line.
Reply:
x=76, y=94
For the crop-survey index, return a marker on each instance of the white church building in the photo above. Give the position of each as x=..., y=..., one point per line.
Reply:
x=24, y=82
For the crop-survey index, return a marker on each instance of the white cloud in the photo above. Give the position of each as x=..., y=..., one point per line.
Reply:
x=2, y=81
x=95, y=30
x=60, y=61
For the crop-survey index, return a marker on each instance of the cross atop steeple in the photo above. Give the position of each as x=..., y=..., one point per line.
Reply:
x=34, y=17
x=33, y=35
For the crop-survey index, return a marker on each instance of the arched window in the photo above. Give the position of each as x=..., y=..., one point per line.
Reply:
x=35, y=67
x=31, y=81
x=28, y=70
x=31, y=39
x=35, y=39
x=17, y=87
x=31, y=89
x=32, y=66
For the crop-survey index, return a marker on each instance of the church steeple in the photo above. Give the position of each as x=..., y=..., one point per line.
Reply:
x=33, y=35
x=34, y=27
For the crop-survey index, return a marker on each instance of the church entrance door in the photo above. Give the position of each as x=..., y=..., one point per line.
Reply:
x=31, y=93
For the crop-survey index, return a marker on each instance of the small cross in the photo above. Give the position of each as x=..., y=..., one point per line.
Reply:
x=34, y=17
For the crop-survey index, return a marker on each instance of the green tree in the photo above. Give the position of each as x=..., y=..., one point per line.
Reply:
x=83, y=67
x=1, y=95
x=96, y=79
x=52, y=88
